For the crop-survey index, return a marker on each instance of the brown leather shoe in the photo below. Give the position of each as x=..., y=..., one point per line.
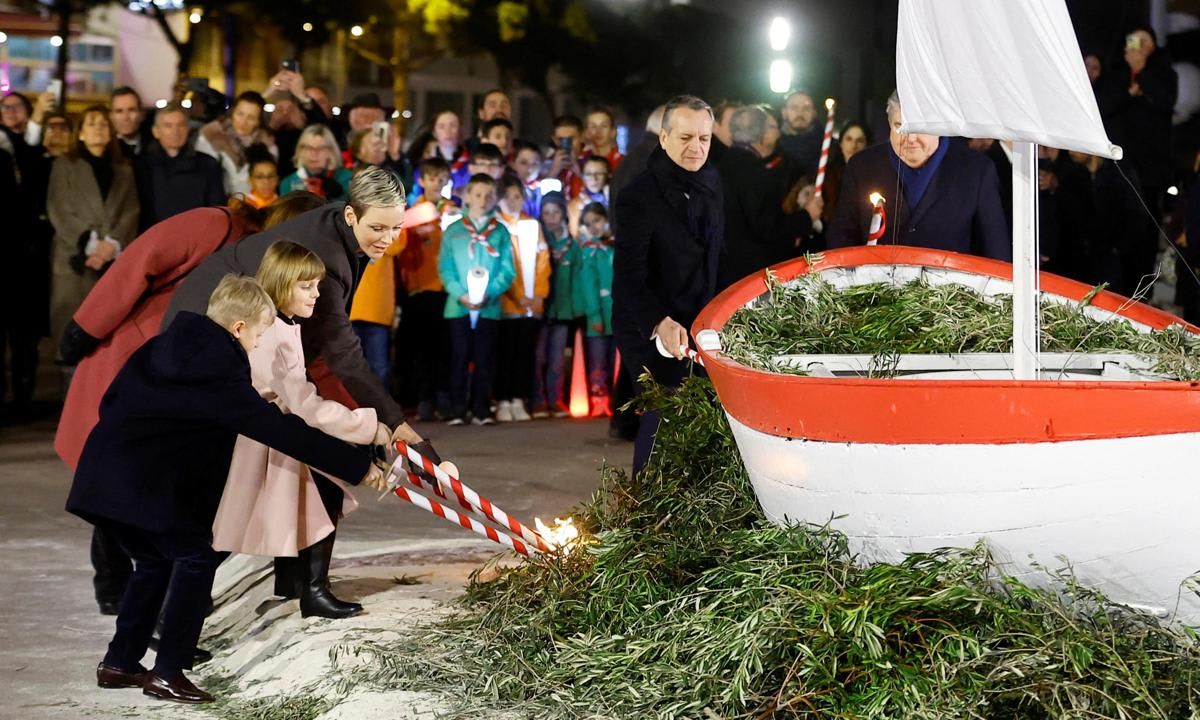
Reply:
x=180, y=689
x=110, y=677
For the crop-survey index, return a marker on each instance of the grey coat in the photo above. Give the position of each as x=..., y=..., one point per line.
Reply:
x=74, y=205
x=328, y=334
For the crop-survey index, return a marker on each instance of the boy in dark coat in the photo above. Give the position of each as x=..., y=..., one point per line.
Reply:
x=153, y=470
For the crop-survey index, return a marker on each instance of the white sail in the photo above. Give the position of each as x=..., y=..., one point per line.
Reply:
x=1003, y=69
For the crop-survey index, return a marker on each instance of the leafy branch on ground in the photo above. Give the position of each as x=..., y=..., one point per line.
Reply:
x=684, y=602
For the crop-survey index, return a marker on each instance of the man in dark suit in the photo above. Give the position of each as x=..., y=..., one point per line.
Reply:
x=345, y=236
x=153, y=471
x=757, y=231
x=171, y=176
x=667, y=251
x=938, y=193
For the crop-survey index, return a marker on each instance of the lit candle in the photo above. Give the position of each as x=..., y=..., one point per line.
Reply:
x=477, y=282
x=528, y=237
x=825, y=143
x=878, y=218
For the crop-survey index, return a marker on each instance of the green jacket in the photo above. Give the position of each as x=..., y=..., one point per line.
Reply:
x=564, y=258
x=455, y=260
x=296, y=181
x=593, y=285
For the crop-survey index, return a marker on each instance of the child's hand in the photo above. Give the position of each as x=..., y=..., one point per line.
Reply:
x=465, y=301
x=527, y=303
x=375, y=479
x=598, y=327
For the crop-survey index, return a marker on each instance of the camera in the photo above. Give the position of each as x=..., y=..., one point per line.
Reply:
x=291, y=65
x=565, y=144
x=1133, y=42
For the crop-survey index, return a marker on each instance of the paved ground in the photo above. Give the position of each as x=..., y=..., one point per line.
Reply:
x=51, y=636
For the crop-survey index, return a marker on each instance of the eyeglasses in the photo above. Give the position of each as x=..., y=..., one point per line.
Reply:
x=11, y=107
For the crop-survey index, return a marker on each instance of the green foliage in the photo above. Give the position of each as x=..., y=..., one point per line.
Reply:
x=811, y=316
x=684, y=602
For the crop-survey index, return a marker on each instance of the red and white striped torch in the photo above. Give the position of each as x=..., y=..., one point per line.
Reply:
x=878, y=218
x=825, y=143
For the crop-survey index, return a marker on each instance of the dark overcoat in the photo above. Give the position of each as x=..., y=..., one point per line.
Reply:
x=666, y=258
x=328, y=333
x=960, y=210
x=159, y=456
x=757, y=231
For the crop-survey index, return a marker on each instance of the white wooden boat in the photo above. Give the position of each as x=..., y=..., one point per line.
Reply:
x=1092, y=461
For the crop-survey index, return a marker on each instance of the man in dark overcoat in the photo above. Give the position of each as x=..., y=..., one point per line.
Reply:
x=153, y=471
x=937, y=192
x=346, y=236
x=667, y=251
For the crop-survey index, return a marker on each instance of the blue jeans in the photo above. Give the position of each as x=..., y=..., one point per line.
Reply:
x=601, y=358
x=548, y=379
x=374, y=338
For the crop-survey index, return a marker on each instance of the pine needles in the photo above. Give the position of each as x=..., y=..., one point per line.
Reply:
x=810, y=316
x=686, y=603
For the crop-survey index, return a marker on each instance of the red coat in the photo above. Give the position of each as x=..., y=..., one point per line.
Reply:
x=126, y=308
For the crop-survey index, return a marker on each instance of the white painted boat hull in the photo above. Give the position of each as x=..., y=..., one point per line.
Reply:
x=1119, y=509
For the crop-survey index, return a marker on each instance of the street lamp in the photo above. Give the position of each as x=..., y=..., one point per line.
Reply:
x=356, y=31
x=307, y=27
x=56, y=40
x=779, y=34
x=780, y=76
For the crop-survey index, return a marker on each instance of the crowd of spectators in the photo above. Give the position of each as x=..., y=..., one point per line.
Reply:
x=83, y=187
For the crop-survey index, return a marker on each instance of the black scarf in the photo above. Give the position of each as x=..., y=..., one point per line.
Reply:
x=102, y=168
x=693, y=195
x=695, y=199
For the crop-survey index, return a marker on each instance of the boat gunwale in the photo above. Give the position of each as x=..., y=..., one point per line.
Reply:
x=923, y=411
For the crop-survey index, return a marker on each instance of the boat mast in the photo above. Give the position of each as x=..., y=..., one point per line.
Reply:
x=1026, y=281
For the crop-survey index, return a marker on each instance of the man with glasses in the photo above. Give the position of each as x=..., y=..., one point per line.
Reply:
x=939, y=195
x=25, y=119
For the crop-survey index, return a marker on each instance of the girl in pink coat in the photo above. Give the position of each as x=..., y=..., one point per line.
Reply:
x=274, y=504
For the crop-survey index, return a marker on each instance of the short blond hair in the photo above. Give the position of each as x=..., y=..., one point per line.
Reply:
x=238, y=297
x=284, y=265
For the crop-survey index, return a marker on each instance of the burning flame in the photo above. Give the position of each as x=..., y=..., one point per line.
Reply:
x=561, y=536
x=875, y=198
x=829, y=103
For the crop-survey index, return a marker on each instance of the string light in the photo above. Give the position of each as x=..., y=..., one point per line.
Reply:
x=307, y=27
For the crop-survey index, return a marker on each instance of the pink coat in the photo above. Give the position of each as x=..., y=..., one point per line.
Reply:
x=127, y=305
x=271, y=505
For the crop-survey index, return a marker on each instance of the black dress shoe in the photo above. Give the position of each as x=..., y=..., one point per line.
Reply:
x=180, y=689
x=109, y=607
x=199, y=655
x=110, y=677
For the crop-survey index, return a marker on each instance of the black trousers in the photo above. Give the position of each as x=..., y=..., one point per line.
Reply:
x=22, y=344
x=467, y=346
x=112, y=566
x=422, y=340
x=186, y=565
x=516, y=346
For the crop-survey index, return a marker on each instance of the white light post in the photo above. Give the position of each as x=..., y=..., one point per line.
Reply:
x=779, y=35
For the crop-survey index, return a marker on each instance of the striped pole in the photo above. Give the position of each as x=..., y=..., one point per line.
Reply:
x=688, y=352
x=455, y=516
x=825, y=143
x=466, y=495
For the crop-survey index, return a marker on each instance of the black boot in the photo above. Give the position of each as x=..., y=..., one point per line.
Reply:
x=289, y=577
x=315, y=598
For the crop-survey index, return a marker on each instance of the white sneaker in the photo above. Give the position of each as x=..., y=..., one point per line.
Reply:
x=504, y=411
x=482, y=421
x=518, y=411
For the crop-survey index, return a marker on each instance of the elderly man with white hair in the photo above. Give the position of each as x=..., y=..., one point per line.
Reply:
x=937, y=193
x=757, y=231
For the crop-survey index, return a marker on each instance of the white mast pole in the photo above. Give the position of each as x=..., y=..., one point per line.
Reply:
x=1026, y=284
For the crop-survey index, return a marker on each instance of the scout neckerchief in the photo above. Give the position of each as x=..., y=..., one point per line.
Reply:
x=559, y=246
x=480, y=237
x=599, y=243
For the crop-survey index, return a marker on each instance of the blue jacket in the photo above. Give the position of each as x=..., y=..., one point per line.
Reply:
x=158, y=458
x=960, y=210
